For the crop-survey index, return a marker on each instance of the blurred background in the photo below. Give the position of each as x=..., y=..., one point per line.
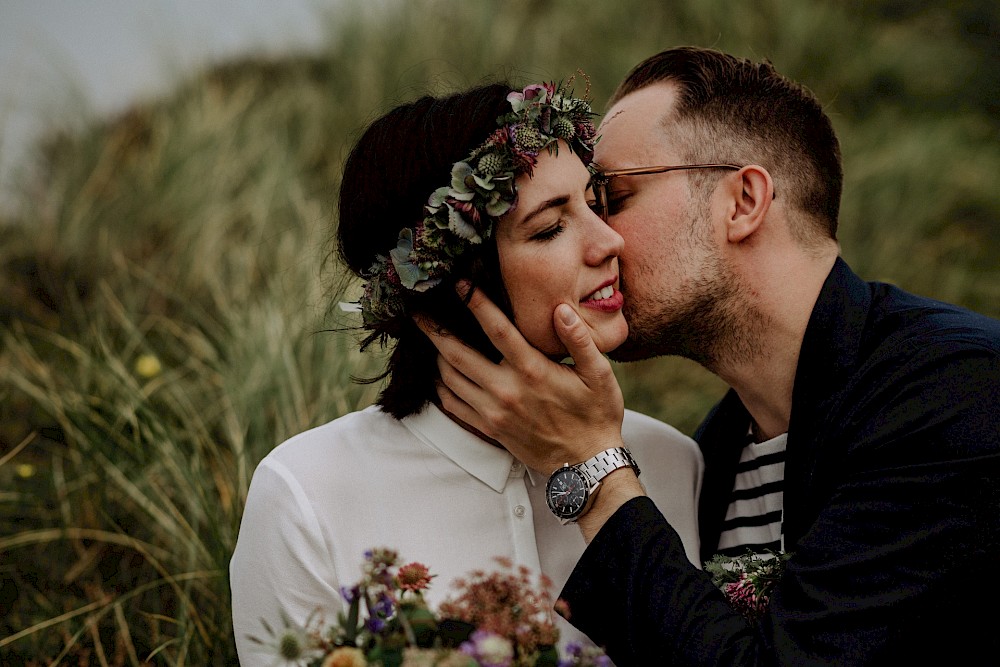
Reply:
x=169, y=172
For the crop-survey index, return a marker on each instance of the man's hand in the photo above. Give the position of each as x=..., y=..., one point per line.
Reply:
x=543, y=412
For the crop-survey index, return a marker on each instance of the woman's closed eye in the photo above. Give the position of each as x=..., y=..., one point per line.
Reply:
x=549, y=232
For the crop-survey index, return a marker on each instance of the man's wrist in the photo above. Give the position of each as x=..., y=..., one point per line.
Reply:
x=616, y=489
x=596, y=446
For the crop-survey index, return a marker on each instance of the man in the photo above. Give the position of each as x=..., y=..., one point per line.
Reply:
x=876, y=408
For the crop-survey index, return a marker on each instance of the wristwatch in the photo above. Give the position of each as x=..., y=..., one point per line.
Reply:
x=570, y=490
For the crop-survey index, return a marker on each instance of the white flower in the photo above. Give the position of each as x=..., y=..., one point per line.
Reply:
x=291, y=645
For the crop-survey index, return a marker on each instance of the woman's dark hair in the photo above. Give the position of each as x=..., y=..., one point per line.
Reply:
x=400, y=159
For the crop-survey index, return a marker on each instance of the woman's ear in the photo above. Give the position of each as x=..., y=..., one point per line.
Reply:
x=752, y=192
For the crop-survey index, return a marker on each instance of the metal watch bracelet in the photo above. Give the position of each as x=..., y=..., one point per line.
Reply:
x=600, y=466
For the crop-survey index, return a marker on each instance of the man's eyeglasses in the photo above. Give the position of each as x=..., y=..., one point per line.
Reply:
x=600, y=180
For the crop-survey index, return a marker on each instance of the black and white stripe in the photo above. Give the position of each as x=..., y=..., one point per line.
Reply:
x=753, y=520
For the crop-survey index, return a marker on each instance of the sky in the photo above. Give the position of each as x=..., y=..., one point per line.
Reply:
x=78, y=58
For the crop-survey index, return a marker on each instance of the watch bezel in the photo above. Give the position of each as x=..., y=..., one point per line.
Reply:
x=558, y=511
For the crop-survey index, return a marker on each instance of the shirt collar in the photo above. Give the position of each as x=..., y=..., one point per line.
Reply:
x=488, y=463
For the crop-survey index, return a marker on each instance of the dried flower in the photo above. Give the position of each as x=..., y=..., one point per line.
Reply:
x=506, y=604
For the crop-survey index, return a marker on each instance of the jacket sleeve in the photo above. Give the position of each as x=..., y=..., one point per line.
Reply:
x=635, y=593
x=893, y=567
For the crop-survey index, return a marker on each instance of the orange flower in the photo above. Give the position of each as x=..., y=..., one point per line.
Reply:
x=345, y=656
x=414, y=577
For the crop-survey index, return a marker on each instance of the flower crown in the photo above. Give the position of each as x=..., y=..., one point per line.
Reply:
x=482, y=189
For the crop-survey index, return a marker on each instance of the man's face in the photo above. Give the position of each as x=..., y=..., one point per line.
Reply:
x=679, y=292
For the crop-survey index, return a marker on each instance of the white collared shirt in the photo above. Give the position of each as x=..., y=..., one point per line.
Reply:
x=429, y=489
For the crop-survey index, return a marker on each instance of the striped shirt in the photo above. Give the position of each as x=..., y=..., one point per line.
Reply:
x=753, y=520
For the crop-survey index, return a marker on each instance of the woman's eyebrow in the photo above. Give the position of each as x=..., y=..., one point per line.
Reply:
x=554, y=202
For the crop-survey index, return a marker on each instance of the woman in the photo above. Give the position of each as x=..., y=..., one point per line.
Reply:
x=514, y=221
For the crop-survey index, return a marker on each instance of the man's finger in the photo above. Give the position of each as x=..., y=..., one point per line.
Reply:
x=455, y=406
x=466, y=360
x=505, y=336
x=590, y=364
x=458, y=383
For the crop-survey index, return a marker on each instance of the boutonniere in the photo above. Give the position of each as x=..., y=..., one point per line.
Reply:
x=748, y=581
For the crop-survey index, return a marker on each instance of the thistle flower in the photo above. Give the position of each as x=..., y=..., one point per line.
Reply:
x=492, y=163
x=563, y=128
x=528, y=138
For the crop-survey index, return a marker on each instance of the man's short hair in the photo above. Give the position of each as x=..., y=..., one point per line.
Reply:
x=734, y=110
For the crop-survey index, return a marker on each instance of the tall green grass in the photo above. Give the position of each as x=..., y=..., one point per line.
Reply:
x=169, y=279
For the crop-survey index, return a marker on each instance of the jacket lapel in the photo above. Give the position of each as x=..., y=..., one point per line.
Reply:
x=826, y=361
x=828, y=355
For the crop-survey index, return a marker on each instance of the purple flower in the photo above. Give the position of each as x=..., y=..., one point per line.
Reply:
x=379, y=611
x=579, y=656
x=349, y=594
x=375, y=624
x=385, y=606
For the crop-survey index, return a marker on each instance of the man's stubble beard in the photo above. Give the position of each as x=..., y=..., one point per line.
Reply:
x=713, y=322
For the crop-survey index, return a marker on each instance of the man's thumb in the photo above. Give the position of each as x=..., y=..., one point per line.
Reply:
x=575, y=336
x=566, y=315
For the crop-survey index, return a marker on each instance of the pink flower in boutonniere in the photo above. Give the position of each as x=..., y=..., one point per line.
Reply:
x=748, y=581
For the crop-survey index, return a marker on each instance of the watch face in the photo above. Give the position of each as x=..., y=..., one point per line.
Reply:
x=567, y=493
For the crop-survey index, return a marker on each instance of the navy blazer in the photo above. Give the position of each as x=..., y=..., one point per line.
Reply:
x=891, y=505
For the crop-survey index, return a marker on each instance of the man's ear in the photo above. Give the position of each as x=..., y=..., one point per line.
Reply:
x=752, y=191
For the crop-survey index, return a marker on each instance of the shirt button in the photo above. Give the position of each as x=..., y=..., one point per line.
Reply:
x=519, y=511
x=515, y=467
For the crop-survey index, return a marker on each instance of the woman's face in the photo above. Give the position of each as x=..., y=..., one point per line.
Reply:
x=553, y=249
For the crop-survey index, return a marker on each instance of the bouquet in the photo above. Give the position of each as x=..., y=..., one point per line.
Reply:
x=748, y=581
x=494, y=620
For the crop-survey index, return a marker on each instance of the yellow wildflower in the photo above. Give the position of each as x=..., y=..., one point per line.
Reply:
x=148, y=366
